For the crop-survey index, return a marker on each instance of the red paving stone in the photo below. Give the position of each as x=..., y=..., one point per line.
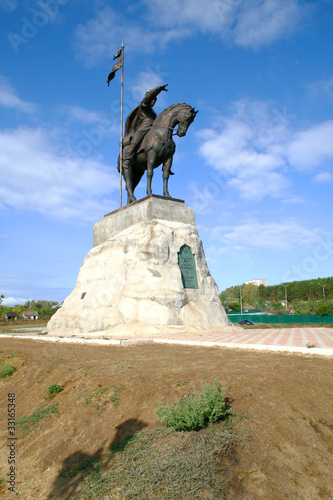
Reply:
x=291, y=337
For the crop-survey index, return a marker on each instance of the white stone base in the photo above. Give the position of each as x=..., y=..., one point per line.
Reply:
x=132, y=281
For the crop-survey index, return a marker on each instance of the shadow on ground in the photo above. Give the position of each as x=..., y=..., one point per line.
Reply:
x=78, y=466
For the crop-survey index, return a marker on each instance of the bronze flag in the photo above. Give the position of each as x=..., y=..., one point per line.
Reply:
x=117, y=65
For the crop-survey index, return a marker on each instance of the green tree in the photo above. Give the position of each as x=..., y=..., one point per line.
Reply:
x=19, y=310
x=275, y=307
x=250, y=295
x=304, y=306
x=324, y=308
x=303, y=295
x=45, y=311
x=264, y=292
x=234, y=306
x=5, y=309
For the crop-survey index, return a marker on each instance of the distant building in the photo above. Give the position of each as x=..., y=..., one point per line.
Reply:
x=30, y=315
x=11, y=315
x=256, y=282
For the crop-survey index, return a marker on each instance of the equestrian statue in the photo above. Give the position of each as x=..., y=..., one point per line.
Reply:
x=148, y=141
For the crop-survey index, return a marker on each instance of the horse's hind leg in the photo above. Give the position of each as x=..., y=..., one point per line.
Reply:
x=166, y=174
x=151, y=161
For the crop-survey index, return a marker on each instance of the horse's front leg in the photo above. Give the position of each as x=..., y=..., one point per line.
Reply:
x=128, y=176
x=151, y=162
x=166, y=174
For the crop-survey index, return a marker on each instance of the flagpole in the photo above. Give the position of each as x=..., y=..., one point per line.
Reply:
x=121, y=126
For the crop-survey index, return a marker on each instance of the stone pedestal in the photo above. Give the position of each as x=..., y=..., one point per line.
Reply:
x=147, y=269
x=149, y=208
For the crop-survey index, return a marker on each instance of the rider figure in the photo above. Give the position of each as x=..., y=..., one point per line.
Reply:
x=138, y=123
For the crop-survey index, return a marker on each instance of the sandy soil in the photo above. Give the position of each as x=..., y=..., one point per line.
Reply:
x=287, y=397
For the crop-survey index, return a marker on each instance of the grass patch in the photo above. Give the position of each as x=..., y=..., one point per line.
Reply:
x=114, y=398
x=33, y=421
x=194, y=411
x=164, y=464
x=53, y=390
x=310, y=346
x=98, y=396
x=7, y=369
x=9, y=365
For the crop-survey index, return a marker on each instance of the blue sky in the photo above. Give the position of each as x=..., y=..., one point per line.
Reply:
x=256, y=164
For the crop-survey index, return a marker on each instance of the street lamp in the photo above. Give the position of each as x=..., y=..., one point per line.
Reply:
x=240, y=294
x=323, y=287
x=285, y=295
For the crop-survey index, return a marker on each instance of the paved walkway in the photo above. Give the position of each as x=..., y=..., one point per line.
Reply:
x=297, y=337
x=314, y=340
x=305, y=340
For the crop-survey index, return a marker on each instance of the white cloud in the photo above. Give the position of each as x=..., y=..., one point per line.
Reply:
x=100, y=37
x=252, y=187
x=91, y=126
x=323, y=178
x=208, y=16
x=321, y=88
x=248, y=148
x=144, y=81
x=9, y=99
x=280, y=235
x=313, y=147
x=12, y=301
x=265, y=21
x=250, y=23
x=255, y=147
x=82, y=115
x=36, y=176
x=294, y=200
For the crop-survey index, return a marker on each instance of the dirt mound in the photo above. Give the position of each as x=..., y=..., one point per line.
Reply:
x=109, y=395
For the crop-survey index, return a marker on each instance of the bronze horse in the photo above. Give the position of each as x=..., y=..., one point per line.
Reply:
x=157, y=147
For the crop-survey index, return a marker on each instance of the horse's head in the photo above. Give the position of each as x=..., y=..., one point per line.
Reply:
x=185, y=117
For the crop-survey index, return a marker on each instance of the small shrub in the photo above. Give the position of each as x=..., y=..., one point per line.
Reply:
x=196, y=410
x=53, y=390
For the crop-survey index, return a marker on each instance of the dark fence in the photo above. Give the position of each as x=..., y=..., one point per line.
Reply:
x=281, y=318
